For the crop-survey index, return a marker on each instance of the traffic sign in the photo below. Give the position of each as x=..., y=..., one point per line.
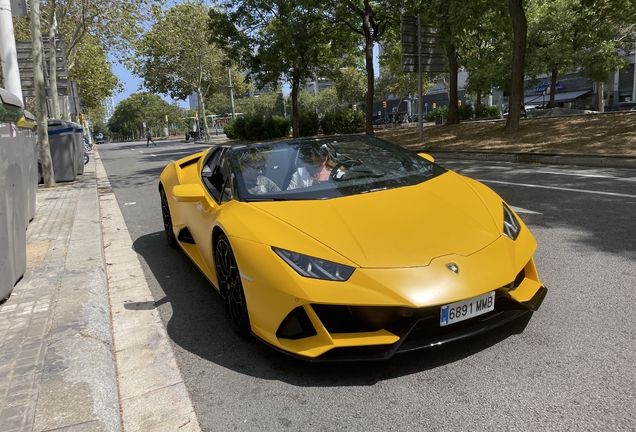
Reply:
x=425, y=46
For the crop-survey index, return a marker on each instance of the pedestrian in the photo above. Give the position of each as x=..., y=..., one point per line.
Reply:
x=149, y=138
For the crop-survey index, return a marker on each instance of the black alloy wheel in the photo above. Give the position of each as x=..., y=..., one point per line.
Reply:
x=167, y=220
x=230, y=286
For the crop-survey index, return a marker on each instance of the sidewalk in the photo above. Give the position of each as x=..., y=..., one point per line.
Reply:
x=71, y=358
x=82, y=347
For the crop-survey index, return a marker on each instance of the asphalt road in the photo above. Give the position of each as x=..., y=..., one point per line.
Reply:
x=571, y=367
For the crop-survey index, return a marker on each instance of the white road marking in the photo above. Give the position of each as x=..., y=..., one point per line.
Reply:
x=522, y=210
x=560, y=188
x=135, y=202
x=579, y=174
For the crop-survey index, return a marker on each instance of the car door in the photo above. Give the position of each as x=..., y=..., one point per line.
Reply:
x=216, y=176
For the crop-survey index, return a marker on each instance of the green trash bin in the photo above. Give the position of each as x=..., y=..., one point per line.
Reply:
x=13, y=196
x=78, y=137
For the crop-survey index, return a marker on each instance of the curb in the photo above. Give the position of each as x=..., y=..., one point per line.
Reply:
x=152, y=393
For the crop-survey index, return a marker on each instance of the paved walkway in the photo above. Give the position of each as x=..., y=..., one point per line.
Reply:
x=64, y=364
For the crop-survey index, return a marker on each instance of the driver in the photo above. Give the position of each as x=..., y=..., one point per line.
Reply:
x=317, y=171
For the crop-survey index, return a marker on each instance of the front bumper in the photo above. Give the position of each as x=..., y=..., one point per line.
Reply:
x=401, y=329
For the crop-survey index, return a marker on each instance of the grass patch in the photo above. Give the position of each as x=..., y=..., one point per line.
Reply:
x=607, y=133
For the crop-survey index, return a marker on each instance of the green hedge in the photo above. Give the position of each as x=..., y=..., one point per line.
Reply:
x=308, y=124
x=486, y=111
x=256, y=128
x=342, y=121
x=439, y=111
x=466, y=112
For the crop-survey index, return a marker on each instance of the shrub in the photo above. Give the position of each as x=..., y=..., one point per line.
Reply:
x=308, y=123
x=255, y=128
x=465, y=111
x=230, y=129
x=342, y=121
x=276, y=127
x=439, y=111
x=482, y=110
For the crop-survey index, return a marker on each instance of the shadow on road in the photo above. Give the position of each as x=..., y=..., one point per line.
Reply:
x=198, y=325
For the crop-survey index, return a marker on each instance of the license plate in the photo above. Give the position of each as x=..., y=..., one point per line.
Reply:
x=465, y=309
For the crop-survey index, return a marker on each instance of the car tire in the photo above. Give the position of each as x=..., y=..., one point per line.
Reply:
x=167, y=220
x=230, y=286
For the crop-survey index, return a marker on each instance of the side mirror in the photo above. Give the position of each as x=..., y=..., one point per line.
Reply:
x=188, y=193
x=427, y=156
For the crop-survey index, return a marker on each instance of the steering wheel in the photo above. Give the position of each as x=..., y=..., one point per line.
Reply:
x=336, y=170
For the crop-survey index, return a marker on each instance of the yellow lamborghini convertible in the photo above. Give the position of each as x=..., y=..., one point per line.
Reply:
x=349, y=247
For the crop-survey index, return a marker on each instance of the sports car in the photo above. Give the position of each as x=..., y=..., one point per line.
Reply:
x=349, y=247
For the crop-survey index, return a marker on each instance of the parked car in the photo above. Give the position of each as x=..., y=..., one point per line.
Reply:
x=390, y=254
x=522, y=114
x=621, y=106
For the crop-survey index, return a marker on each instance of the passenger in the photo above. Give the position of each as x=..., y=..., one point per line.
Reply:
x=317, y=171
x=256, y=183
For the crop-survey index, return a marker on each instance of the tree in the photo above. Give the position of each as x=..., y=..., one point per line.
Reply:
x=486, y=46
x=351, y=85
x=368, y=20
x=565, y=35
x=93, y=74
x=519, y=29
x=90, y=68
x=175, y=58
x=275, y=39
x=130, y=115
x=113, y=25
x=326, y=101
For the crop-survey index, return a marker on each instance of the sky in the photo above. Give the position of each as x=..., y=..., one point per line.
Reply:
x=132, y=85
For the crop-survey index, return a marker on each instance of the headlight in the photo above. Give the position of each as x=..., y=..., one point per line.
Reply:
x=511, y=225
x=314, y=267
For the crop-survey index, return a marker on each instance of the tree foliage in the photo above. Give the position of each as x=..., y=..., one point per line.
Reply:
x=175, y=58
x=327, y=100
x=275, y=40
x=567, y=35
x=130, y=115
x=93, y=74
x=367, y=21
x=351, y=85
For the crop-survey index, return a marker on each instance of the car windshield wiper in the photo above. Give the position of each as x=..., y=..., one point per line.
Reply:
x=265, y=199
x=375, y=190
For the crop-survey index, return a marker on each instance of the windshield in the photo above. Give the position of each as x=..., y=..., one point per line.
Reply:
x=321, y=168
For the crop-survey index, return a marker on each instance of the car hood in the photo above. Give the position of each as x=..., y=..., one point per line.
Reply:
x=402, y=227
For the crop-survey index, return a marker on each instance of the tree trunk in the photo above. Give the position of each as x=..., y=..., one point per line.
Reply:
x=40, y=97
x=368, y=51
x=53, y=63
x=201, y=104
x=520, y=29
x=453, y=105
x=553, y=81
x=294, y=97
